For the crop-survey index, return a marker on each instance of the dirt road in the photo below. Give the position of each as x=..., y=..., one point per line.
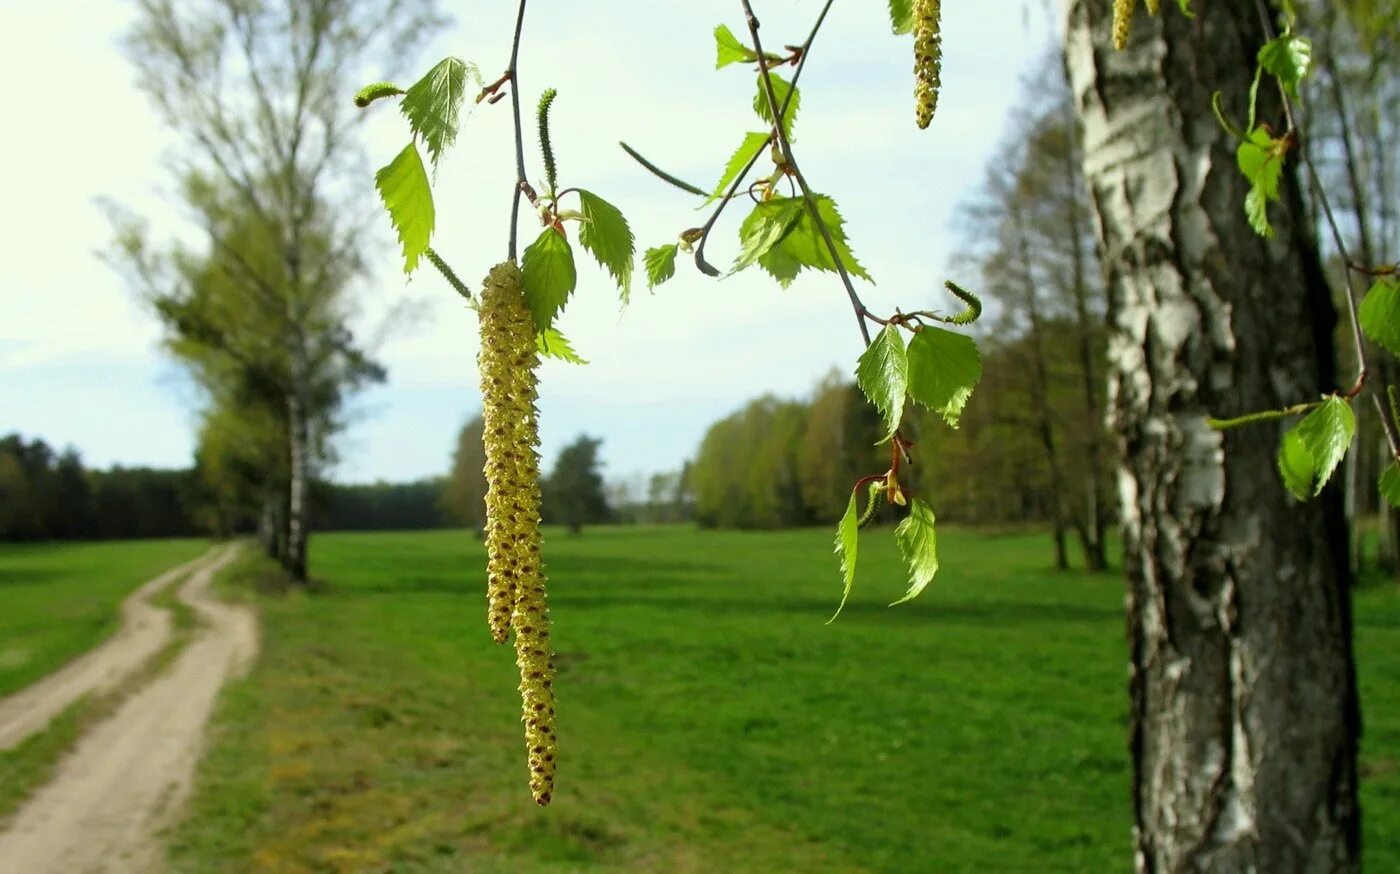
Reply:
x=144, y=630
x=118, y=787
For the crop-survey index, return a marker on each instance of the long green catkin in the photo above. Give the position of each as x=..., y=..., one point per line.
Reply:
x=928, y=60
x=515, y=578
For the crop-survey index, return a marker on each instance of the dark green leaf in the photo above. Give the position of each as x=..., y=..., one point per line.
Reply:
x=661, y=264
x=432, y=104
x=919, y=546
x=728, y=49
x=847, y=540
x=551, y=343
x=605, y=233
x=753, y=142
x=549, y=276
x=765, y=226
x=407, y=195
x=944, y=368
x=902, y=15
x=1380, y=313
x=1288, y=57
x=804, y=246
x=781, y=88
x=883, y=374
x=1390, y=485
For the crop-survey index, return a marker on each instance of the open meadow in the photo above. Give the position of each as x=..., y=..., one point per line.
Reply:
x=709, y=719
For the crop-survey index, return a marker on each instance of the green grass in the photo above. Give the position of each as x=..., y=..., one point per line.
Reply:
x=59, y=600
x=710, y=720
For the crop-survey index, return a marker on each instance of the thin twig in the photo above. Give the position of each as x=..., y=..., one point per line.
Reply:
x=806, y=51
x=520, y=181
x=1353, y=315
x=859, y=306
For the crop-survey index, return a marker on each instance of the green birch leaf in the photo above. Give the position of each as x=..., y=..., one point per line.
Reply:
x=728, y=49
x=1390, y=485
x=1288, y=57
x=764, y=227
x=553, y=344
x=548, y=272
x=1314, y=447
x=433, y=104
x=944, y=368
x=781, y=89
x=1260, y=159
x=605, y=233
x=882, y=372
x=1295, y=464
x=803, y=246
x=753, y=142
x=408, y=196
x=661, y=264
x=902, y=16
x=847, y=540
x=918, y=544
x=1380, y=313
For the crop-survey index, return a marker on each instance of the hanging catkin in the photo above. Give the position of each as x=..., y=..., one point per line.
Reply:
x=1122, y=22
x=928, y=60
x=515, y=579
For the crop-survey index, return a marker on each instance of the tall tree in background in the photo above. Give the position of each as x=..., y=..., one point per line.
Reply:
x=464, y=497
x=1244, y=715
x=573, y=494
x=258, y=93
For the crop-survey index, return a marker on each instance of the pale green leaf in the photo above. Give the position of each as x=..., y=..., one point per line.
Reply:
x=605, y=233
x=781, y=89
x=1380, y=313
x=753, y=142
x=847, y=540
x=661, y=264
x=403, y=186
x=919, y=546
x=1390, y=485
x=1288, y=57
x=1260, y=159
x=902, y=16
x=944, y=368
x=803, y=246
x=432, y=104
x=765, y=226
x=547, y=270
x=553, y=344
x=882, y=372
x=1256, y=209
x=728, y=49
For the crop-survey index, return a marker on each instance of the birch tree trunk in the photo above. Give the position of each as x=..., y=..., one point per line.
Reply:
x=1244, y=715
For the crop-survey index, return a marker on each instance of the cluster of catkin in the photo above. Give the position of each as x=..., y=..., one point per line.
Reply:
x=515, y=575
x=1123, y=19
x=928, y=60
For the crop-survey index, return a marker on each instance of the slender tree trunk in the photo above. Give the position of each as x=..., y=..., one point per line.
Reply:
x=298, y=440
x=1244, y=716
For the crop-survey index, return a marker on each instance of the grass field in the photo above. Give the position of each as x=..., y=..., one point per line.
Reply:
x=710, y=720
x=59, y=600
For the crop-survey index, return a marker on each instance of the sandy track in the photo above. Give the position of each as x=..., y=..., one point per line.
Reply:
x=111, y=796
x=144, y=630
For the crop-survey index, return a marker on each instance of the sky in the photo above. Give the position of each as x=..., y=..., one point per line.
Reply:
x=80, y=360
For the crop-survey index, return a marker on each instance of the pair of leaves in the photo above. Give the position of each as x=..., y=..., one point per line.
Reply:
x=432, y=106
x=915, y=535
x=547, y=266
x=939, y=370
x=1313, y=448
x=782, y=237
